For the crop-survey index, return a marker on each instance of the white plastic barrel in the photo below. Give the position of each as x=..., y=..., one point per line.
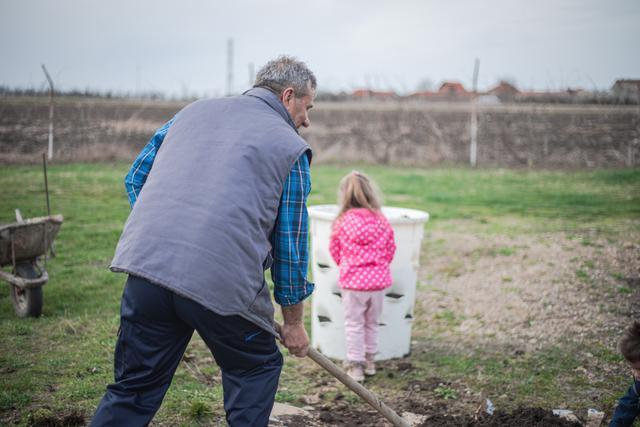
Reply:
x=327, y=323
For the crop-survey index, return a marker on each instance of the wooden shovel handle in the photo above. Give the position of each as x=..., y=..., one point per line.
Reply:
x=357, y=388
x=353, y=385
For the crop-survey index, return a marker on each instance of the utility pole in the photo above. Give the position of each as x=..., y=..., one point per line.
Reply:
x=252, y=74
x=473, y=149
x=137, y=94
x=229, y=67
x=46, y=73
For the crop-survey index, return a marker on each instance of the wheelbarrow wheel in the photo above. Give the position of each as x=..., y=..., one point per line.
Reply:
x=27, y=302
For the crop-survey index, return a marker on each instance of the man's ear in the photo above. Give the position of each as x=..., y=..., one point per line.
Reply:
x=287, y=95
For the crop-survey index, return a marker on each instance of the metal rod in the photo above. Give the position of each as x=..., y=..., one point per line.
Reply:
x=46, y=183
x=46, y=191
x=44, y=229
x=51, y=94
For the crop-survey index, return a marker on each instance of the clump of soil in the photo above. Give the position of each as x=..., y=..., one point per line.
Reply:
x=291, y=421
x=343, y=415
x=524, y=417
x=346, y=416
x=50, y=419
x=527, y=417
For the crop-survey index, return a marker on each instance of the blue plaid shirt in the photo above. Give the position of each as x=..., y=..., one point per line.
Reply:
x=289, y=236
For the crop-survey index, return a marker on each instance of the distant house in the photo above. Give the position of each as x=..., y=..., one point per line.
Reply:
x=626, y=88
x=504, y=91
x=448, y=91
x=453, y=90
x=362, y=94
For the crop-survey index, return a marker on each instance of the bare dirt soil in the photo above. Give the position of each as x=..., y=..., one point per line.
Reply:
x=344, y=415
x=521, y=294
x=515, y=294
x=531, y=291
x=70, y=419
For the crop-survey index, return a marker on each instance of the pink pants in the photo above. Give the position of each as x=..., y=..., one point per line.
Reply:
x=361, y=312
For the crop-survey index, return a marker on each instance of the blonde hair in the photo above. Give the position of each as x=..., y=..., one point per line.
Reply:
x=357, y=190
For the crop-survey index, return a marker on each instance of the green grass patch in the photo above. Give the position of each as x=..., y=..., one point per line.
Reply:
x=582, y=275
x=464, y=193
x=64, y=359
x=445, y=393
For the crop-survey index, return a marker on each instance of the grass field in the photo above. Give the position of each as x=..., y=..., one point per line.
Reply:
x=58, y=365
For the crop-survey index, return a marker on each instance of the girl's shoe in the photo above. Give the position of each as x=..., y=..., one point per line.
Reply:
x=369, y=365
x=355, y=371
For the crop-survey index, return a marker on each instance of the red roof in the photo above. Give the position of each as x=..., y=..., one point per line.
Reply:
x=452, y=89
x=504, y=88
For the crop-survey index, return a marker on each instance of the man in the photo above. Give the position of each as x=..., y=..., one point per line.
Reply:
x=224, y=187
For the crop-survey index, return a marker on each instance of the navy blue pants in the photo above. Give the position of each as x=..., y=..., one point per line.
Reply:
x=155, y=328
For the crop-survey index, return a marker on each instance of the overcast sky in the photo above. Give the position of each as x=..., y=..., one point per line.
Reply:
x=180, y=47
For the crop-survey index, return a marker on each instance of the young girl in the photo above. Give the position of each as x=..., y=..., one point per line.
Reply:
x=362, y=245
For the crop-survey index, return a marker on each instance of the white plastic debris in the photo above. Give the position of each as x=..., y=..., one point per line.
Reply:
x=594, y=417
x=414, y=419
x=566, y=414
x=488, y=407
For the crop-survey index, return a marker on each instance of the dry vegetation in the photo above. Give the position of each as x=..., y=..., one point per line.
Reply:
x=393, y=133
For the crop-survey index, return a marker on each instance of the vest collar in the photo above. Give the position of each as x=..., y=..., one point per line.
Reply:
x=272, y=100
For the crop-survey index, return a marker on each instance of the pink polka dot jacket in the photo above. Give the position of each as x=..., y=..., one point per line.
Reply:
x=362, y=245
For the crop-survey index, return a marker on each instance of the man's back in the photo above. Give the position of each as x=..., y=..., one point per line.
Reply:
x=201, y=224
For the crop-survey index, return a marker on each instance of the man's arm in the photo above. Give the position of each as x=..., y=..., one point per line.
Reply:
x=292, y=333
x=291, y=258
x=137, y=176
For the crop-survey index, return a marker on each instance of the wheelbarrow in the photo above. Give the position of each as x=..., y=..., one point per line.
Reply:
x=22, y=245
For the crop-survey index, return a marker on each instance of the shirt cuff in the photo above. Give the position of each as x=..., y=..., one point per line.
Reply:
x=285, y=299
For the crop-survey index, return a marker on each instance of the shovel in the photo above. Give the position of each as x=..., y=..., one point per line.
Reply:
x=357, y=388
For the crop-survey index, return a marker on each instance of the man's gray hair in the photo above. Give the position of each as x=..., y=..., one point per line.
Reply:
x=283, y=72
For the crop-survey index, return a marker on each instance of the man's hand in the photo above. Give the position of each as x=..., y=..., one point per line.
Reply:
x=294, y=336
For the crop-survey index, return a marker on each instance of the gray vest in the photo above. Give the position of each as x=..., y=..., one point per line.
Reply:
x=202, y=223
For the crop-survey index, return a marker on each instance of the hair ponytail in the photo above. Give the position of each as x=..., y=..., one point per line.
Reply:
x=357, y=190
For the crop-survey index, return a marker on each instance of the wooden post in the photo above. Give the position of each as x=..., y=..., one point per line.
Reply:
x=46, y=192
x=630, y=153
x=473, y=149
x=46, y=73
